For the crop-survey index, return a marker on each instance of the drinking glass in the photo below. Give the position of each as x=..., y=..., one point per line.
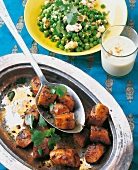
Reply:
x=119, y=45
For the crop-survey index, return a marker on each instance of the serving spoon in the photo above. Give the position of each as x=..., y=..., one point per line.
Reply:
x=79, y=110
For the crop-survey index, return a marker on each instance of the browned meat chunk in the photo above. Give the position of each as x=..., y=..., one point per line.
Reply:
x=99, y=134
x=59, y=109
x=44, y=147
x=65, y=157
x=67, y=100
x=23, y=138
x=46, y=97
x=65, y=121
x=33, y=110
x=98, y=114
x=94, y=153
x=82, y=137
x=35, y=85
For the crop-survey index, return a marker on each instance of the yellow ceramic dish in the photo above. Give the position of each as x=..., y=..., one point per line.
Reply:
x=117, y=16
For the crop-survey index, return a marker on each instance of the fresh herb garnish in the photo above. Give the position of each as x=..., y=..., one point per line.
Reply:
x=58, y=2
x=39, y=150
x=58, y=90
x=51, y=106
x=52, y=142
x=42, y=121
x=72, y=18
x=29, y=119
x=53, y=137
x=38, y=137
x=11, y=95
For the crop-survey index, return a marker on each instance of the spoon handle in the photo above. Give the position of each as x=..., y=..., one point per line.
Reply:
x=8, y=21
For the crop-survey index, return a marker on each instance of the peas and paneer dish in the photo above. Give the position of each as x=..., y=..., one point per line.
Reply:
x=75, y=25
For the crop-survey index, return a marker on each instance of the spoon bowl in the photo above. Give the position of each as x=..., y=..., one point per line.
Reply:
x=79, y=110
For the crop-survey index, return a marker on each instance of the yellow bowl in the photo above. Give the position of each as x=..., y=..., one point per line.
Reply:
x=117, y=16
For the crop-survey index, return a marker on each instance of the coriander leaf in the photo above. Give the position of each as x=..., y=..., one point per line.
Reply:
x=61, y=90
x=58, y=27
x=49, y=132
x=29, y=119
x=52, y=141
x=58, y=2
x=37, y=137
x=42, y=122
x=32, y=130
x=64, y=7
x=69, y=17
x=52, y=91
x=39, y=150
x=73, y=9
x=51, y=106
x=74, y=19
x=63, y=31
x=11, y=95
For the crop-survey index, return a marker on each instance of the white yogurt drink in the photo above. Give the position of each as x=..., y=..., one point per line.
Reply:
x=118, y=54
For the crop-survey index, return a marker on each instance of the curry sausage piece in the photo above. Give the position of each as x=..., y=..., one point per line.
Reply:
x=23, y=138
x=94, y=152
x=67, y=100
x=65, y=121
x=35, y=85
x=59, y=109
x=82, y=137
x=46, y=97
x=44, y=147
x=98, y=114
x=99, y=134
x=65, y=157
x=33, y=110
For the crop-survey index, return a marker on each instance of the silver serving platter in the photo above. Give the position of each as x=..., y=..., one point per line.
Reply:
x=118, y=156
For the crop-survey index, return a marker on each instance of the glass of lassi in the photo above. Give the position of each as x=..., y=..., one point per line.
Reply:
x=119, y=46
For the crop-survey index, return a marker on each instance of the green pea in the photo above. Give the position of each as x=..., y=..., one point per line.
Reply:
x=77, y=2
x=85, y=28
x=94, y=32
x=46, y=33
x=81, y=49
x=58, y=43
x=80, y=34
x=94, y=38
x=87, y=47
x=41, y=28
x=95, y=43
x=91, y=15
x=80, y=43
x=76, y=39
x=91, y=39
x=78, y=49
x=83, y=24
x=53, y=39
x=85, y=40
x=74, y=35
x=91, y=45
x=69, y=35
x=39, y=23
x=62, y=42
x=61, y=47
